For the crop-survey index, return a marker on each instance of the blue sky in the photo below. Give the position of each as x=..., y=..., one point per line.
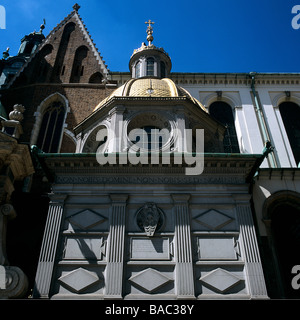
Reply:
x=200, y=36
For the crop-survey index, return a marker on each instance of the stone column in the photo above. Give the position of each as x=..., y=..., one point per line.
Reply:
x=48, y=249
x=13, y=281
x=183, y=248
x=115, y=247
x=250, y=253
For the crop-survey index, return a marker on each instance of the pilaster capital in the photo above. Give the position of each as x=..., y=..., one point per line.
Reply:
x=242, y=199
x=179, y=198
x=119, y=198
x=57, y=198
x=119, y=109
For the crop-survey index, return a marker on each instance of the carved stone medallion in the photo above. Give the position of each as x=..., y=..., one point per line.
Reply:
x=150, y=218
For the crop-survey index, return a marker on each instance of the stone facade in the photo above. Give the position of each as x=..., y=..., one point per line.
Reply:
x=199, y=247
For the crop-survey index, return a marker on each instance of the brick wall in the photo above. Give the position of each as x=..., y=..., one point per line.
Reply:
x=82, y=101
x=51, y=70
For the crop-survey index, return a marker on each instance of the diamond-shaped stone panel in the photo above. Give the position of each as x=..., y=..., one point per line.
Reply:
x=79, y=279
x=213, y=219
x=150, y=279
x=220, y=280
x=86, y=219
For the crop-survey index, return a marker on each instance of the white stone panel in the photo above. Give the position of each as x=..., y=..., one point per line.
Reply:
x=216, y=249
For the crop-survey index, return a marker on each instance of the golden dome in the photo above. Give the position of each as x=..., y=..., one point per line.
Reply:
x=150, y=87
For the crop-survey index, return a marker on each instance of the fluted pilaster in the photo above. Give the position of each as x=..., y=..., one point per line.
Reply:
x=48, y=249
x=184, y=264
x=115, y=254
x=249, y=246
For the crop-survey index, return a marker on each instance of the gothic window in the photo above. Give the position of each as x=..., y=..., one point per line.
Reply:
x=78, y=67
x=290, y=113
x=150, y=67
x=222, y=112
x=51, y=128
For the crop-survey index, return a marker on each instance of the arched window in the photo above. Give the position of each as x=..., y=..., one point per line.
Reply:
x=96, y=78
x=290, y=113
x=150, y=67
x=281, y=212
x=286, y=238
x=162, y=69
x=138, y=70
x=222, y=112
x=51, y=127
x=78, y=67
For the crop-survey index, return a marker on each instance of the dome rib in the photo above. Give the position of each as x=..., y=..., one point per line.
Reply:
x=173, y=87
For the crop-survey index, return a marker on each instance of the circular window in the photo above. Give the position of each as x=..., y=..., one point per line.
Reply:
x=149, y=131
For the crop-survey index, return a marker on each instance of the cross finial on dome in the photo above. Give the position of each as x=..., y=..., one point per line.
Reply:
x=149, y=31
x=76, y=7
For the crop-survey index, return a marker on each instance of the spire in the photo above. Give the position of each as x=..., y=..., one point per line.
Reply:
x=149, y=31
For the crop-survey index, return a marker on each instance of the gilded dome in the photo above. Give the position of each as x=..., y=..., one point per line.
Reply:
x=150, y=87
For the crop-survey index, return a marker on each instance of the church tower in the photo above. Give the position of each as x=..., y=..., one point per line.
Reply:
x=11, y=65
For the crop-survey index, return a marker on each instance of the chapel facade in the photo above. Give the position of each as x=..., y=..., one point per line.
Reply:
x=144, y=184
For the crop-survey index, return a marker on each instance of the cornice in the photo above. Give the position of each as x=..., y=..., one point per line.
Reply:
x=84, y=169
x=278, y=174
x=213, y=79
